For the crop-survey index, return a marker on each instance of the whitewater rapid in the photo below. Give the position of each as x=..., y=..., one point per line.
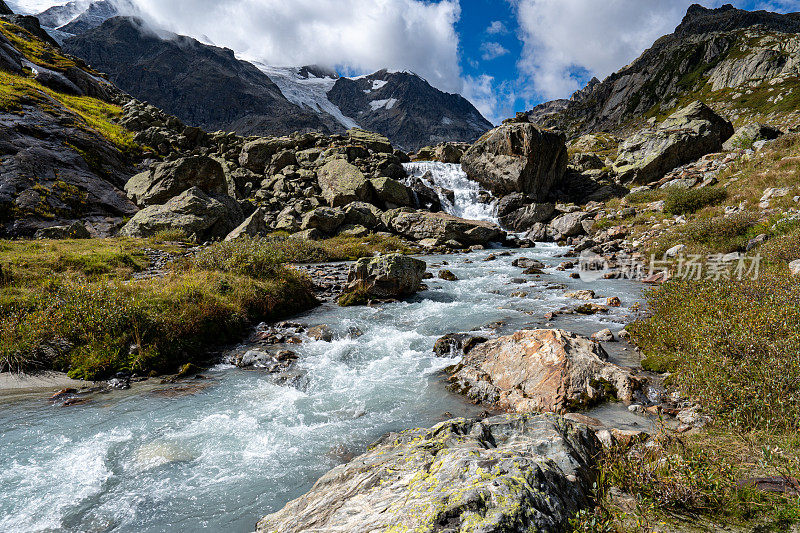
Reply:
x=467, y=194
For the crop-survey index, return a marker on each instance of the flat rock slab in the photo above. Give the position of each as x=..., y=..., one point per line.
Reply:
x=502, y=474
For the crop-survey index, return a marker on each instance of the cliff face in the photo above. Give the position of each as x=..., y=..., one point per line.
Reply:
x=743, y=64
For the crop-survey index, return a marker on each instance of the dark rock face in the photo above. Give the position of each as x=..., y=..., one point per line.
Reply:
x=517, y=157
x=55, y=170
x=714, y=49
x=4, y=9
x=406, y=109
x=202, y=85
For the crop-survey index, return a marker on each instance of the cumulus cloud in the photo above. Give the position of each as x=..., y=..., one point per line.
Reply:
x=496, y=28
x=566, y=40
x=492, y=50
x=356, y=35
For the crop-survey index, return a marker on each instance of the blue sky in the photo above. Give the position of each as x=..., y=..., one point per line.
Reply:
x=503, y=55
x=498, y=40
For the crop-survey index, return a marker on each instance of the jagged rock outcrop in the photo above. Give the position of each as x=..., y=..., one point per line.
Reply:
x=744, y=64
x=517, y=157
x=501, y=474
x=4, y=9
x=407, y=109
x=541, y=371
x=686, y=135
x=56, y=168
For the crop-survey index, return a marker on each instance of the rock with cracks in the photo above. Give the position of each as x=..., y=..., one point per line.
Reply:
x=545, y=370
x=503, y=474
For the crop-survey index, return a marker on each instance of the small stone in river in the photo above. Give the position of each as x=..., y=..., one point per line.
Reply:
x=585, y=294
x=427, y=275
x=636, y=408
x=604, y=335
x=614, y=302
x=490, y=257
x=526, y=262
x=575, y=275
x=591, y=309
x=533, y=270
x=447, y=275
x=519, y=294
x=285, y=355
x=321, y=333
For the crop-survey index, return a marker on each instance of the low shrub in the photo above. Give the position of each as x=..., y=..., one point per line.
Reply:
x=684, y=201
x=644, y=197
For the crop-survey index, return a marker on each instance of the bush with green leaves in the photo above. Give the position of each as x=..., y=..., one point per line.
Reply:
x=684, y=201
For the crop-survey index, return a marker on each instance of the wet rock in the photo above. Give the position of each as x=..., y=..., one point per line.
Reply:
x=419, y=225
x=532, y=472
x=525, y=262
x=584, y=294
x=388, y=276
x=613, y=301
x=447, y=275
x=541, y=370
x=454, y=344
x=591, y=309
x=604, y=335
x=320, y=333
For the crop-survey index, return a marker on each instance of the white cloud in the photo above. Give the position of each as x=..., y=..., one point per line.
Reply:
x=566, y=38
x=358, y=35
x=496, y=28
x=492, y=50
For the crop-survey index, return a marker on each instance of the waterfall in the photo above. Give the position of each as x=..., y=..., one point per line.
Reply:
x=466, y=194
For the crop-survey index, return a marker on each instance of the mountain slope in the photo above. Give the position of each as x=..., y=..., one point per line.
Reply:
x=203, y=85
x=743, y=64
x=406, y=109
x=420, y=114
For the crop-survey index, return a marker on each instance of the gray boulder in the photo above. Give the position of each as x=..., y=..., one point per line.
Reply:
x=745, y=136
x=442, y=227
x=391, y=193
x=517, y=157
x=386, y=276
x=363, y=214
x=501, y=474
x=254, y=226
x=193, y=212
x=76, y=230
x=257, y=154
x=567, y=225
x=524, y=218
x=686, y=135
x=325, y=219
x=343, y=183
x=166, y=180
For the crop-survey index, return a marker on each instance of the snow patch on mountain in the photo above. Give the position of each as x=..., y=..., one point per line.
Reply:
x=310, y=92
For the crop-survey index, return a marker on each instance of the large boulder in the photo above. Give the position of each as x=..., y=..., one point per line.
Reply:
x=391, y=193
x=371, y=140
x=443, y=227
x=257, y=154
x=343, y=183
x=325, y=219
x=167, y=180
x=386, y=276
x=500, y=474
x=745, y=136
x=686, y=135
x=545, y=370
x=567, y=225
x=525, y=217
x=254, y=226
x=193, y=212
x=517, y=157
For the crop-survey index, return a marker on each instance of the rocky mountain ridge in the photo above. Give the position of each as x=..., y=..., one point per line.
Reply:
x=400, y=105
x=743, y=64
